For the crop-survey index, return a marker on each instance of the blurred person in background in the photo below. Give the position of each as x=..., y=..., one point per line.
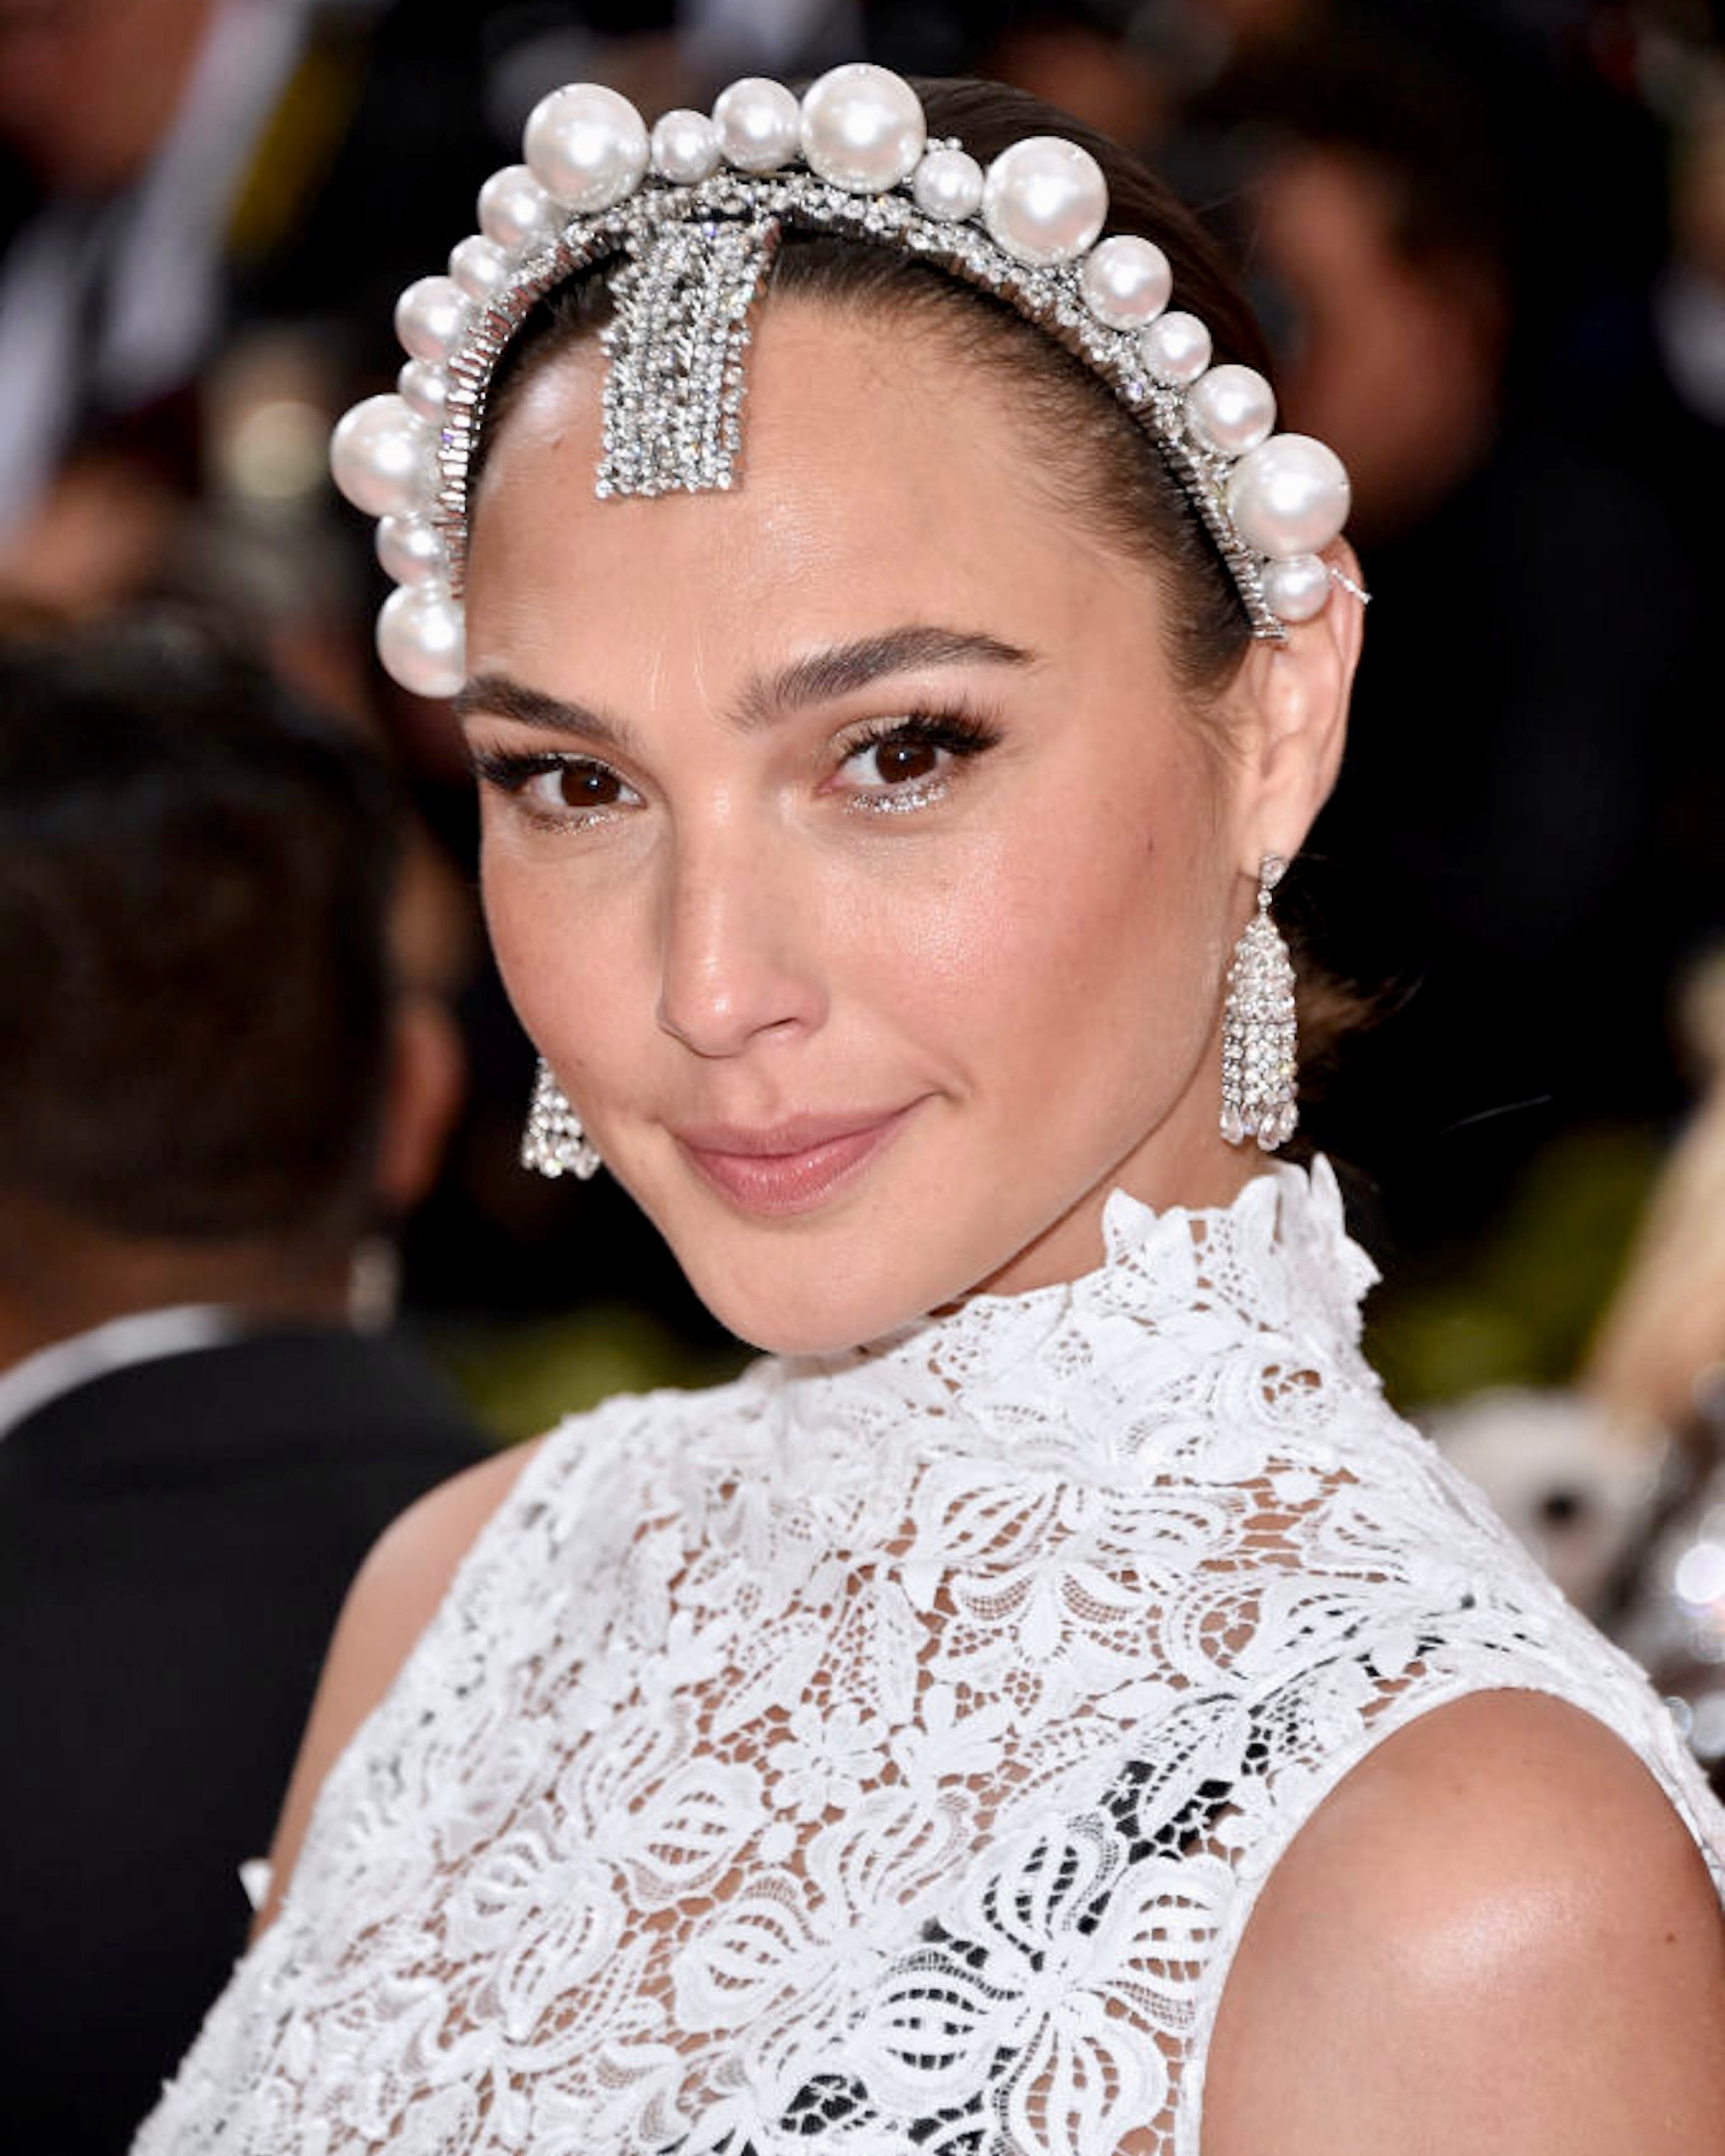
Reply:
x=213, y=1091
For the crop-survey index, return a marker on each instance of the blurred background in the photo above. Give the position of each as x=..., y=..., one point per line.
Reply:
x=1488, y=237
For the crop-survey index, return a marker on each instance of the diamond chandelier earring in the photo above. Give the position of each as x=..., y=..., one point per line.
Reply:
x=1259, y=1028
x=554, y=1143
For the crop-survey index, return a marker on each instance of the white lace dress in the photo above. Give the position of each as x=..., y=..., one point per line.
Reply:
x=884, y=1753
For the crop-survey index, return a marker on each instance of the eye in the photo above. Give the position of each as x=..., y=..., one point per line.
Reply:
x=898, y=761
x=570, y=784
x=555, y=789
x=903, y=764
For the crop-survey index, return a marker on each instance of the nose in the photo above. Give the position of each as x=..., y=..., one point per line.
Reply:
x=741, y=943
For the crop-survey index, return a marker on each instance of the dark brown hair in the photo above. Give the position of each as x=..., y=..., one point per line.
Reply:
x=196, y=869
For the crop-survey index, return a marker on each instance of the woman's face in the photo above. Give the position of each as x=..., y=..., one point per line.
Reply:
x=848, y=851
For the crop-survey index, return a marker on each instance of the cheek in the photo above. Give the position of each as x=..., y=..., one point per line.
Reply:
x=517, y=941
x=1068, y=954
x=1103, y=901
x=551, y=952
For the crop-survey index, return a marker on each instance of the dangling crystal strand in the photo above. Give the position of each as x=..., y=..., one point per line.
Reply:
x=673, y=386
x=553, y=1143
x=1259, y=1029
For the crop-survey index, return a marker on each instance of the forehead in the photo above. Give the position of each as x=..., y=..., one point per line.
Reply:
x=883, y=477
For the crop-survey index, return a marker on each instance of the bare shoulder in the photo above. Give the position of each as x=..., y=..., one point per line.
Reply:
x=1497, y=1934
x=393, y=1597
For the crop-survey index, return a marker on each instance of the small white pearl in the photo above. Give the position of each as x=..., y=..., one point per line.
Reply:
x=514, y=209
x=1298, y=588
x=1231, y=408
x=1044, y=200
x=410, y=550
x=1289, y=497
x=479, y=266
x=587, y=145
x=948, y=185
x=685, y=147
x=422, y=639
x=425, y=389
x=862, y=128
x=1126, y=281
x=381, y=457
x=760, y=124
x=1176, y=349
x=430, y=317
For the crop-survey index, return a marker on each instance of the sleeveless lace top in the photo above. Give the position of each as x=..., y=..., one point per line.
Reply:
x=883, y=1754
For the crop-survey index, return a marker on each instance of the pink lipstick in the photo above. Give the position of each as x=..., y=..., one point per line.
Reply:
x=790, y=1167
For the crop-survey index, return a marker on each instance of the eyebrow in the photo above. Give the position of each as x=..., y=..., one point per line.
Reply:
x=842, y=668
x=819, y=677
x=500, y=697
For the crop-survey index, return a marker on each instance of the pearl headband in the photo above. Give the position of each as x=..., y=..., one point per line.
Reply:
x=695, y=211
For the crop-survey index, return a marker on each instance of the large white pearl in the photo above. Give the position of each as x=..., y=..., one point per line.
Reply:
x=685, y=147
x=760, y=124
x=1289, y=497
x=430, y=317
x=425, y=389
x=863, y=128
x=587, y=145
x=1298, y=588
x=514, y=209
x=1126, y=281
x=479, y=266
x=381, y=457
x=422, y=639
x=410, y=550
x=1176, y=348
x=1044, y=200
x=948, y=185
x=1231, y=408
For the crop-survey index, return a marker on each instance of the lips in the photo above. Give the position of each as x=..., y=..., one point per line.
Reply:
x=791, y=1166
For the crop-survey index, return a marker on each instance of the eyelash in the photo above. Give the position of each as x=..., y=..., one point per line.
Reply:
x=957, y=734
x=512, y=772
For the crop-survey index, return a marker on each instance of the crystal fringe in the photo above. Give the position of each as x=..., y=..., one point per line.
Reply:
x=1259, y=1029
x=673, y=387
x=553, y=1143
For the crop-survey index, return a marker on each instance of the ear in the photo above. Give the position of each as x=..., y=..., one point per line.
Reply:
x=1291, y=712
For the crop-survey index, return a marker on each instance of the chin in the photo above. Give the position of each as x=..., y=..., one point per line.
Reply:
x=796, y=1293
x=804, y=1324
x=818, y=1281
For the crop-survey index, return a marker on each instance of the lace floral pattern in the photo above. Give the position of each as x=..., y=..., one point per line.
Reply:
x=883, y=1754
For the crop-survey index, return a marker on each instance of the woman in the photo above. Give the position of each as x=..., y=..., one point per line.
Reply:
x=1080, y=1717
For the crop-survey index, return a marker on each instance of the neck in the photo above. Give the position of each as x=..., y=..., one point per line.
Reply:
x=76, y=1278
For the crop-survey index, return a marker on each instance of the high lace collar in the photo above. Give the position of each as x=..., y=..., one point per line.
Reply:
x=1052, y=1372
x=1278, y=1254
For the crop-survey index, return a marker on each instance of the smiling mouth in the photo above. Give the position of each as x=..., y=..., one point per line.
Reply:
x=793, y=1167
